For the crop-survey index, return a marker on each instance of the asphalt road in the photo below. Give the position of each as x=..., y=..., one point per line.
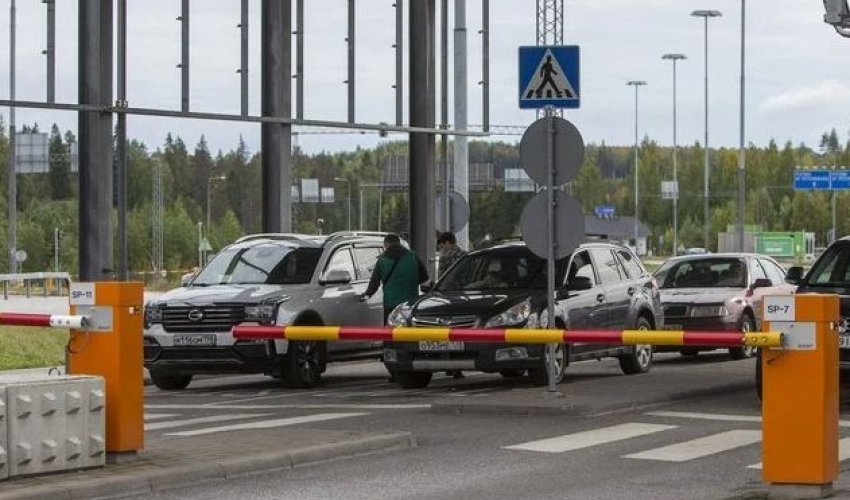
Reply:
x=661, y=442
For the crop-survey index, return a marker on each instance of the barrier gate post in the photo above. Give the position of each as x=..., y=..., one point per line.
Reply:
x=800, y=395
x=112, y=349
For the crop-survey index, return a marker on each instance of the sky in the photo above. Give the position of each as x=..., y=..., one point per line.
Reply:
x=798, y=81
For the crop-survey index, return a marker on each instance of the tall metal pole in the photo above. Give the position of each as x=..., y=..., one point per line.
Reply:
x=299, y=59
x=184, y=55
x=550, y=229
x=351, y=61
x=95, y=129
x=675, y=58
x=50, y=51
x=741, y=149
x=444, y=111
x=461, y=143
x=12, y=179
x=637, y=84
x=276, y=49
x=399, y=62
x=485, y=65
x=243, y=57
x=422, y=99
x=362, y=224
x=121, y=142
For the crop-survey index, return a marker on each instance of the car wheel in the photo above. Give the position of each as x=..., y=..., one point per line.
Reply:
x=747, y=325
x=540, y=376
x=413, y=380
x=640, y=359
x=689, y=352
x=170, y=382
x=513, y=373
x=304, y=361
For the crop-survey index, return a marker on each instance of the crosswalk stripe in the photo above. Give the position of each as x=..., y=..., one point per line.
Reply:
x=843, y=453
x=268, y=424
x=702, y=447
x=719, y=417
x=586, y=439
x=160, y=416
x=328, y=406
x=158, y=426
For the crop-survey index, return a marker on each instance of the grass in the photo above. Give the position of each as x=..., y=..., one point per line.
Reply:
x=25, y=347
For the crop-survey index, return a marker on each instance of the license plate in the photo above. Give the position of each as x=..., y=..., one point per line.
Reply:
x=844, y=341
x=429, y=345
x=194, y=340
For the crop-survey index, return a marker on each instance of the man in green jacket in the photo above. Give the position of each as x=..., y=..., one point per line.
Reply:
x=400, y=271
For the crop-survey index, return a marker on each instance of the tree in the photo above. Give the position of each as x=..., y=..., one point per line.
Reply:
x=60, y=166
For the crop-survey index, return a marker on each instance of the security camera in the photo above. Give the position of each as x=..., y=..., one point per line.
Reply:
x=838, y=15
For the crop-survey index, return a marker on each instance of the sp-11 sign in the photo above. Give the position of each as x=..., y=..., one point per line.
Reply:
x=82, y=294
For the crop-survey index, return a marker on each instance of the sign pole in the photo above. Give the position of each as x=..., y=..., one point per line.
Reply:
x=550, y=229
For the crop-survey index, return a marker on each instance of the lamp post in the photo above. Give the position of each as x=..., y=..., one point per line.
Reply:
x=675, y=58
x=209, y=188
x=706, y=15
x=742, y=178
x=347, y=197
x=637, y=84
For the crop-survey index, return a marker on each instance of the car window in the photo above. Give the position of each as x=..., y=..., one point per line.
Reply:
x=758, y=272
x=774, y=272
x=269, y=264
x=718, y=272
x=582, y=267
x=606, y=265
x=498, y=270
x=367, y=258
x=630, y=262
x=833, y=268
x=341, y=261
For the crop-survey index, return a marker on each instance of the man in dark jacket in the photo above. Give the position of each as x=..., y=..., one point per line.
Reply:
x=400, y=271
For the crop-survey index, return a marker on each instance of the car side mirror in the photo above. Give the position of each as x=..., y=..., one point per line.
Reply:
x=794, y=275
x=579, y=283
x=762, y=283
x=335, y=277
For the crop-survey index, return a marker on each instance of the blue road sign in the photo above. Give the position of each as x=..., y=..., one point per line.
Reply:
x=549, y=76
x=604, y=210
x=817, y=180
x=841, y=180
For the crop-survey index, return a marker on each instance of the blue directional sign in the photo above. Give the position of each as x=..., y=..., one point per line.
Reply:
x=549, y=76
x=605, y=211
x=817, y=180
x=841, y=180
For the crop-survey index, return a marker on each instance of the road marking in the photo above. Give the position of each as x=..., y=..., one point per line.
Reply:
x=160, y=416
x=719, y=417
x=702, y=447
x=843, y=453
x=586, y=439
x=268, y=424
x=202, y=420
x=291, y=407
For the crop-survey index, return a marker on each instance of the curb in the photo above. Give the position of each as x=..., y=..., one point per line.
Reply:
x=156, y=478
x=563, y=407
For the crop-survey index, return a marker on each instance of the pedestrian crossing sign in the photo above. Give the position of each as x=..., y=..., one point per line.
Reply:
x=549, y=76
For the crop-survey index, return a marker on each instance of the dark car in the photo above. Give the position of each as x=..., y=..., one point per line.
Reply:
x=718, y=292
x=600, y=286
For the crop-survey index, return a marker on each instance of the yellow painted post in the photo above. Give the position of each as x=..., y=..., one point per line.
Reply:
x=112, y=348
x=800, y=395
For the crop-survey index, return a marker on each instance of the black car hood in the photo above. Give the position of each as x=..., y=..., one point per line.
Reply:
x=233, y=294
x=699, y=295
x=482, y=304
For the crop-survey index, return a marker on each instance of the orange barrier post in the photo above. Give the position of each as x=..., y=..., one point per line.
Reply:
x=111, y=347
x=800, y=395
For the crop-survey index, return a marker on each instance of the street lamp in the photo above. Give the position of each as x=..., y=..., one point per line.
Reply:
x=637, y=84
x=209, y=188
x=675, y=58
x=742, y=179
x=347, y=197
x=706, y=14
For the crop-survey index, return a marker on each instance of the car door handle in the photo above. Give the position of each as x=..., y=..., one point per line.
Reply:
x=600, y=298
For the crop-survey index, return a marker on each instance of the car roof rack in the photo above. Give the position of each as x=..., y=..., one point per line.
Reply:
x=277, y=236
x=340, y=235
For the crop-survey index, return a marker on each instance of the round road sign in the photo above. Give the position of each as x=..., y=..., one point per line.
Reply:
x=569, y=225
x=568, y=151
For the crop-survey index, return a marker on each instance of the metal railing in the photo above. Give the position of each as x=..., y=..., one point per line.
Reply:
x=29, y=278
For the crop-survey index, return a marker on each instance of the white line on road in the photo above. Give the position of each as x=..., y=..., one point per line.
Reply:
x=590, y=438
x=291, y=407
x=202, y=420
x=718, y=416
x=268, y=424
x=843, y=453
x=160, y=416
x=702, y=447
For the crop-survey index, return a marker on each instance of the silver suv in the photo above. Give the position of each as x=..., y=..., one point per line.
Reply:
x=269, y=279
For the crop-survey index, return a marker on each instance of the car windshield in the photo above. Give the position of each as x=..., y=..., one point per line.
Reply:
x=832, y=269
x=263, y=264
x=497, y=270
x=702, y=273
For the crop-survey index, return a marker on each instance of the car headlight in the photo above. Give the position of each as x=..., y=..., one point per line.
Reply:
x=400, y=315
x=514, y=316
x=709, y=311
x=264, y=312
x=153, y=314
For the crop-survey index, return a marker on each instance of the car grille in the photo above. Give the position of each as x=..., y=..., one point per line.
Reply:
x=450, y=322
x=675, y=311
x=215, y=318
